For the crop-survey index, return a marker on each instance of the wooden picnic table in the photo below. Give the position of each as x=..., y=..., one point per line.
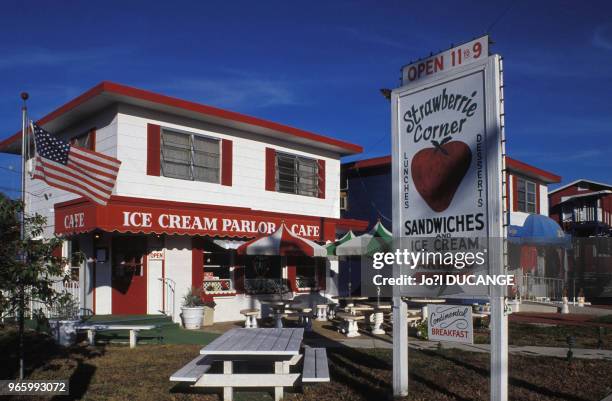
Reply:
x=281, y=346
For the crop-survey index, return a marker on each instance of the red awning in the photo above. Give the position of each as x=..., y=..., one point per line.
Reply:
x=138, y=215
x=282, y=242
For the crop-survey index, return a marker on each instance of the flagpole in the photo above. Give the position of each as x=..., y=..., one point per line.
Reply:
x=24, y=152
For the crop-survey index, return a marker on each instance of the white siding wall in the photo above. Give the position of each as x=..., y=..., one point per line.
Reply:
x=248, y=186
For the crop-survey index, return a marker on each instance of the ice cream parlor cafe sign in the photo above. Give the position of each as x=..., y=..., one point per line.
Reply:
x=450, y=323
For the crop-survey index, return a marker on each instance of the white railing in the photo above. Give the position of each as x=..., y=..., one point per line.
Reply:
x=169, y=291
x=218, y=286
x=534, y=287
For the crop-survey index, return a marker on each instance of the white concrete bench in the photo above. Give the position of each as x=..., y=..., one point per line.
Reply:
x=193, y=370
x=133, y=329
x=315, y=368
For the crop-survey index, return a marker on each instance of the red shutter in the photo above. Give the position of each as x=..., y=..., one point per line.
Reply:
x=537, y=194
x=270, y=169
x=153, y=149
x=226, y=162
x=321, y=164
x=197, y=262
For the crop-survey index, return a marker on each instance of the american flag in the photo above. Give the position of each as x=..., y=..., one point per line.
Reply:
x=72, y=168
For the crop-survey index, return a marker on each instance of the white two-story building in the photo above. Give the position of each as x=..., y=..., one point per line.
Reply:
x=195, y=182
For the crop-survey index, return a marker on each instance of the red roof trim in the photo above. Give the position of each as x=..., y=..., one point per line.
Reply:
x=381, y=161
x=141, y=94
x=516, y=165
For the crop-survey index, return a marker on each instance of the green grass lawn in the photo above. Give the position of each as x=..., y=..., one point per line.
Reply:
x=550, y=336
x=115, y=372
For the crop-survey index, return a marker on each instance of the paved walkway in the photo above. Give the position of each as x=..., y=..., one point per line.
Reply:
x=583, y=353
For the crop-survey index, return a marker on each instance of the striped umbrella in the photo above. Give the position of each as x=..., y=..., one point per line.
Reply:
x=282, y=242
x=378, y=239
x=331, y=247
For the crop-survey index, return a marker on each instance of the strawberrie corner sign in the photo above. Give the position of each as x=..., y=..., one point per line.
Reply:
x=447, y=160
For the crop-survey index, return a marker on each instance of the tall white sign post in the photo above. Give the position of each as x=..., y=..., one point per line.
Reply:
x=448, y=177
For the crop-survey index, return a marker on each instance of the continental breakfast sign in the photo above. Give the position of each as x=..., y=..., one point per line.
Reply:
x=450, y=323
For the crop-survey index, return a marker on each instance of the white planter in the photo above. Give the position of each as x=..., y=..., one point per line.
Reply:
x=565, y=306
x=581, y=301
x=192, y=317
x=209, y=316
x=64, y=331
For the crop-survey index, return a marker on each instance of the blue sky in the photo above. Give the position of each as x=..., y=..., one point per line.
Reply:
x=319, y=65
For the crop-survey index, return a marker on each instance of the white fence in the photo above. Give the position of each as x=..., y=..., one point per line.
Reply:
x=60, y=286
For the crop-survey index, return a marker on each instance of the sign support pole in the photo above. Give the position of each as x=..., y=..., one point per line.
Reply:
x=400, y=347
x=499, y=350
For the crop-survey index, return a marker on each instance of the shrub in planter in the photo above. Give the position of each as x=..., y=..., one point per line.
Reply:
x=193, y=309
x=421, y=330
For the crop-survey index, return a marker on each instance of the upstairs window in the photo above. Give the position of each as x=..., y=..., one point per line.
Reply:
x=297, y=175
x=526, y=196
x=86, y=140
x=189, y=157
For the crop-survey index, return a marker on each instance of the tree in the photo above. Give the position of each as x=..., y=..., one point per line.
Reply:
x=28, y=266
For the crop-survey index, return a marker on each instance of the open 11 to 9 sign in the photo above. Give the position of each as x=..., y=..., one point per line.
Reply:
x=446, y=61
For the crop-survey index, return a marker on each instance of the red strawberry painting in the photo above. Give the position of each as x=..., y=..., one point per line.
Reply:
x=438, y=171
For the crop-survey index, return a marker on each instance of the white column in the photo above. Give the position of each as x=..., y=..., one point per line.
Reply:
x=499, y=350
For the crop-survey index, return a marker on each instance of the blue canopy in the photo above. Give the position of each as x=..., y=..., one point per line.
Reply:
x=539, y=230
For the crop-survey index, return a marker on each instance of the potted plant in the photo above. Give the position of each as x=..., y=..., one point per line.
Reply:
x=209, y=313
x=192, y=310
x=65, y=319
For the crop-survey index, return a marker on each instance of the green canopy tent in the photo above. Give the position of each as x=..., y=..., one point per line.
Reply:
x=379, y=239
x=331, y=247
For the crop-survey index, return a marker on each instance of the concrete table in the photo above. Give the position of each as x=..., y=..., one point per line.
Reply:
x=279, y=346
x=426, y=301
x=278, y=312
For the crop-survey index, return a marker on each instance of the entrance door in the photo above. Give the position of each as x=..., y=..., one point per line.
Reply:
x=154, y=286
x=129, y=275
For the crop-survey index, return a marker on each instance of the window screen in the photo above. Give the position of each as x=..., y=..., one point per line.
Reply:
x=190, y=157
x=297, y=175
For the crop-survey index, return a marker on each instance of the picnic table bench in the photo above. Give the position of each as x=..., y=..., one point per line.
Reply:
x=280, y=347
x=92, y=328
